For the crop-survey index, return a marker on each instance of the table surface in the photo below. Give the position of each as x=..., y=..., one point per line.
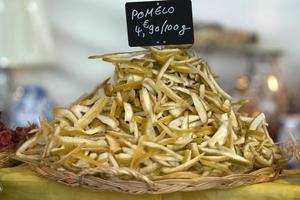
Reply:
x=20, y=183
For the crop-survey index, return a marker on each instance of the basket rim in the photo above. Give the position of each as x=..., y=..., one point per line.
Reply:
x=141, y=184
x=7, y=157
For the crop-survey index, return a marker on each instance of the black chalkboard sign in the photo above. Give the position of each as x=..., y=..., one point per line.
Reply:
x=151, y=23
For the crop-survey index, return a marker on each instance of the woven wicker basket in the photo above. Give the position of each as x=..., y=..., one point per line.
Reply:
x=93, y=179
x=6, y=157
x=297, y=151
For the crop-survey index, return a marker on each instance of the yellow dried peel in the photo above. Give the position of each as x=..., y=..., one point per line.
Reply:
x=164, y=115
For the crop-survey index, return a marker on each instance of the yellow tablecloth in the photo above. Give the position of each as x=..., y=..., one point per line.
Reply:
x=20, y=183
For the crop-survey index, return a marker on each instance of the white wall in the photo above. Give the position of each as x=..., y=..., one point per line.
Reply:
x=82, y=28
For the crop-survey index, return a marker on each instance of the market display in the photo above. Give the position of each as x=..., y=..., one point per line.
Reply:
x=164, y=115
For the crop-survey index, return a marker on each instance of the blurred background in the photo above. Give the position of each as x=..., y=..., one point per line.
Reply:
x=44, y=44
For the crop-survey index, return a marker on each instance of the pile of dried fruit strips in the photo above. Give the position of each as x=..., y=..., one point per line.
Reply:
x=164, y=115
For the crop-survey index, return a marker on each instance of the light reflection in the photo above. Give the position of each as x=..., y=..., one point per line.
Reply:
x=32, y=6
x=1, y=6
x=19, y=92
x=273, y=83
x=242, y=83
